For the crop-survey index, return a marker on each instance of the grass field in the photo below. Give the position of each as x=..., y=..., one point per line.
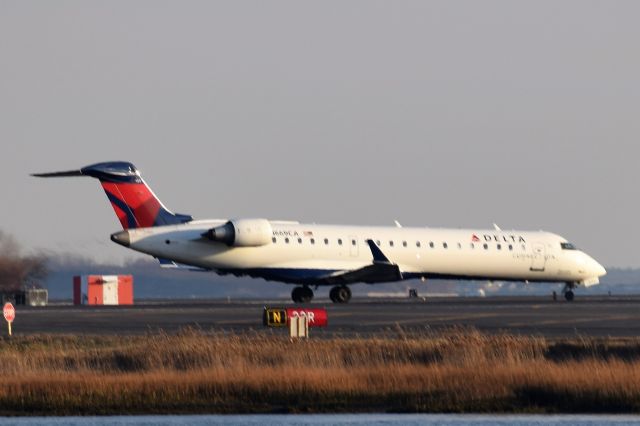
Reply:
x=265, y=372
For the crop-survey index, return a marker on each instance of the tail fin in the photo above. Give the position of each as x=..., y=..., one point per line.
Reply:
x=133, y=201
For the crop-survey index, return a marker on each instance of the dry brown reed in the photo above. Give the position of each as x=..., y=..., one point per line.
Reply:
x=196, y=371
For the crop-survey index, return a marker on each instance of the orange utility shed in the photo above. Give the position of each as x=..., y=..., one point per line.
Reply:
x=103, y=290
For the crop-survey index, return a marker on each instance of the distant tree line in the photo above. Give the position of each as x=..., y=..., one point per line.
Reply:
x=19, y=271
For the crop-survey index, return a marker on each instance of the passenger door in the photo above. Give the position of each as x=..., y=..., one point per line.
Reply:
x=538, y=260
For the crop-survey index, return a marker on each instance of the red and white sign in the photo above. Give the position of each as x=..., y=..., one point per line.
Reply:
x=9, y=312
x=281, y=317
x=316, y=317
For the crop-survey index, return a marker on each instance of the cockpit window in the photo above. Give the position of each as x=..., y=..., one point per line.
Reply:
x=568, y=246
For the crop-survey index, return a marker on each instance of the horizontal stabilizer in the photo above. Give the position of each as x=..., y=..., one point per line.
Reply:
x=135, y=205
x=69, y=173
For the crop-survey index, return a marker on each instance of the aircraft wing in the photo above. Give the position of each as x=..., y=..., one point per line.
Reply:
x=374, y=273
x=380, y=271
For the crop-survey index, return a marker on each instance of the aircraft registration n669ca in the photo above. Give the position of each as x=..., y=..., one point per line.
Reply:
x=310, y=255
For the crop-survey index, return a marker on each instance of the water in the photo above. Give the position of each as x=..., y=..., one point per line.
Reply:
x=331, y=419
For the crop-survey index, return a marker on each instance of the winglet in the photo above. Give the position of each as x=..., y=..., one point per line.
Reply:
x=378, y=255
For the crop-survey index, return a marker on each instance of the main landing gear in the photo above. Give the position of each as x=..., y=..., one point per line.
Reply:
x=340, y=294
x=302, y=294
x=568, y=291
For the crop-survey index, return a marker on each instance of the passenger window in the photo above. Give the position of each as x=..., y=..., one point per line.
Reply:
x=390, y=243
x=444, y=245
x=274, y=239
x=339, y=241
x=472, y=246
x=510, y=247
x=486, y=246
x=312, y=241
x=286, y=240
x=418, y=244
x=299, y=240
x=326, y=241
x=404, y=244
x=353, y=242
x=498, y=246
x=431, y=244
x=459, y=245
x=378, y=243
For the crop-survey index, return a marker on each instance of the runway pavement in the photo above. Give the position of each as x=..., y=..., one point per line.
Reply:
x=593, y=316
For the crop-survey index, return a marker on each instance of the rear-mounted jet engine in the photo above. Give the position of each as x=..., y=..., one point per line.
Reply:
x=242, y=233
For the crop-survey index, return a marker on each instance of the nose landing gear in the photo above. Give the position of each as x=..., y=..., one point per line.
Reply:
x=568, y=291
x=302, y=294
x=340, y=294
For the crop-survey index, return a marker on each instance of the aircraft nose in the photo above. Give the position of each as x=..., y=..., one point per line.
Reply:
x=121, y=238
x=599, y=269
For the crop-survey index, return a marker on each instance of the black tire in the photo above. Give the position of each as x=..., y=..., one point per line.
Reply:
x=296, y=294
x=569, y=296
x=342, y=294
x=306, y=294
x=332, y=294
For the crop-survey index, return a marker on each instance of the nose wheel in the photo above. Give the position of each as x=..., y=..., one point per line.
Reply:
x=302, y=294
x=340, y=294
x=568, y=291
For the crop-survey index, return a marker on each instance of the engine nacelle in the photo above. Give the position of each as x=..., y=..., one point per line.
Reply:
x=242, y=233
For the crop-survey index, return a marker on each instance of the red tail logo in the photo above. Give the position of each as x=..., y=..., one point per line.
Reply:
x=134, y=204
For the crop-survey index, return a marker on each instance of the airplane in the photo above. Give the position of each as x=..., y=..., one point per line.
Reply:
x=310, y=255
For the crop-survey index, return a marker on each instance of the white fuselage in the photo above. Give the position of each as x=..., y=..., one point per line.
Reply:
x=304, y=250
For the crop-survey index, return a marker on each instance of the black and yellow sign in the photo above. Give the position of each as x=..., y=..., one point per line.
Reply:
x=275, y=317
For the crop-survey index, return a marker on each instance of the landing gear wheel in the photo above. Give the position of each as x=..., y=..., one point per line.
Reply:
x=302, y=294
x=568, y=295
x=332, y=294
x=295, y=294
x=568, y=291
x=340, y=294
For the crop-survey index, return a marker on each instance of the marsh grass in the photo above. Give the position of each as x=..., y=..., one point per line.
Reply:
x=195, y=372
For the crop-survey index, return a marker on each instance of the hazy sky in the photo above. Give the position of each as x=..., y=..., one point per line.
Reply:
x=435, y=113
